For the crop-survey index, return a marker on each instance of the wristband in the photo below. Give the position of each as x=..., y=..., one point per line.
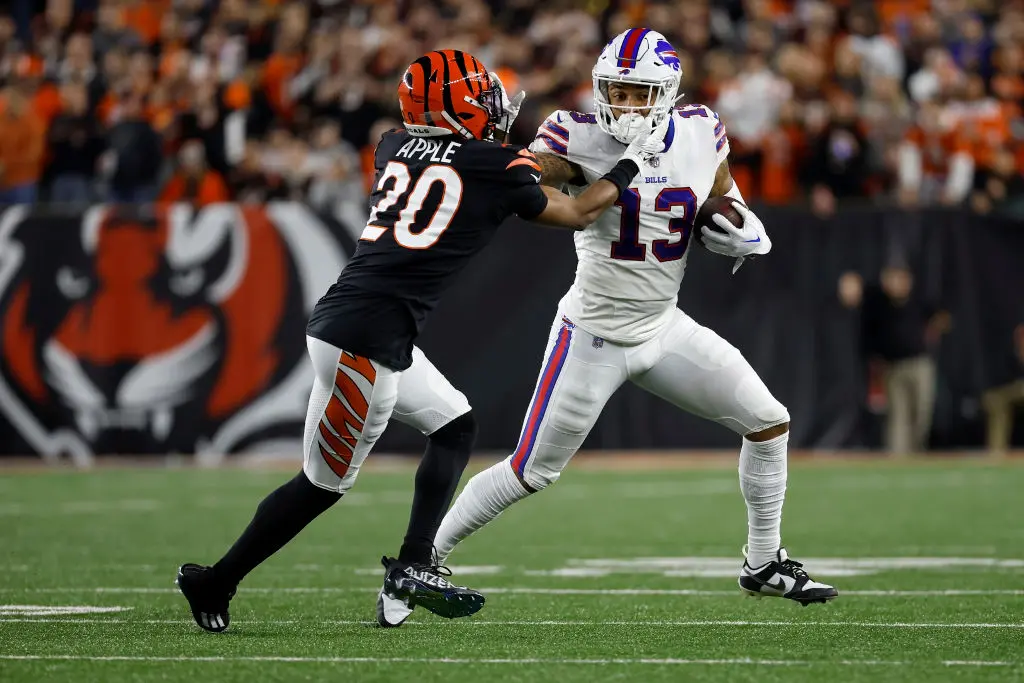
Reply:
x=622, y=174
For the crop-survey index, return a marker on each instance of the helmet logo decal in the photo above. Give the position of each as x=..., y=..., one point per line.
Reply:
x=668, y=54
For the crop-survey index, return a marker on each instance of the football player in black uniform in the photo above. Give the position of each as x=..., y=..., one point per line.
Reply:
x=442, y=188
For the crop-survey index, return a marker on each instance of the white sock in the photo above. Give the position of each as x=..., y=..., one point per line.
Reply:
x=485, y=497
x=763, y=483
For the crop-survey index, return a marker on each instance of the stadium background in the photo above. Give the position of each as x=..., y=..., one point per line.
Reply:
x=275, y=107
x=180, y=330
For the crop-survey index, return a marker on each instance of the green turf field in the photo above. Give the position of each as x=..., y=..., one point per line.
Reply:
x=626, y=576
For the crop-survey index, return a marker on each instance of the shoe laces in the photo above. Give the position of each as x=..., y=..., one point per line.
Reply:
x=794, y=567
x=435, y=566
x=432, y=568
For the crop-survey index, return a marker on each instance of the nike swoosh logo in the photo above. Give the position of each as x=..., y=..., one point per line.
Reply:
x=779, y=586
x=537, y=178
x=752, y=241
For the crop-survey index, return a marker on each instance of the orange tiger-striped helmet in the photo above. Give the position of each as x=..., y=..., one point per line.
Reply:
x=448, y=91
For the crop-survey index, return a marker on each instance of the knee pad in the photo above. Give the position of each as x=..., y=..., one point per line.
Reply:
x=774, y=416
x=459, y=434
x=754, y=404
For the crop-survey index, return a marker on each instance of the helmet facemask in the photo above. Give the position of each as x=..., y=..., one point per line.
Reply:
x=489, y=100
x=624, y=123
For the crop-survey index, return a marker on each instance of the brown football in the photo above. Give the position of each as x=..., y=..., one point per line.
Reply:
x=721, y=205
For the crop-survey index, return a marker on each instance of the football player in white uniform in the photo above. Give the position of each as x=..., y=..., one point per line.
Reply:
x=619, y=319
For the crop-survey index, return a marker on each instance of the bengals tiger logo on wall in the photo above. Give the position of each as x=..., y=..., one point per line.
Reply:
x=159, y=330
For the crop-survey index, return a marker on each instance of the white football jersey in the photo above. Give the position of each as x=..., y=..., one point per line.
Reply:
x=631, y=260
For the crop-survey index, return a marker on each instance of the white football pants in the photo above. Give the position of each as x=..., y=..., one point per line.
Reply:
x=686, y=364
x=352, y=400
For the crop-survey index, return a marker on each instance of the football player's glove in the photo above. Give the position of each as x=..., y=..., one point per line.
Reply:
x=649, y=141
x=740, y=242
x=511, y=106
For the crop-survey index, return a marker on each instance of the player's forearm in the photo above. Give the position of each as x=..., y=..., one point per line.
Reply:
x=723, y=181
x=556, y=171
x=562, y=211
x=596, y=199
x=580, y=212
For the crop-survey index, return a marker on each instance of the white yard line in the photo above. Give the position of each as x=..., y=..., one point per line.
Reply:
x=682, y=592
x=475, y=622
x=516, y=662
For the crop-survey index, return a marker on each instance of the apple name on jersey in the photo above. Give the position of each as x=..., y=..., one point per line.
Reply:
x=631, y=260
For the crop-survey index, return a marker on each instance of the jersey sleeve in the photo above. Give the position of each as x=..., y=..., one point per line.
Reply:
x=553, y=135
x=721, y=140
x=709, y=119
x=514, y=173
x=524, y=196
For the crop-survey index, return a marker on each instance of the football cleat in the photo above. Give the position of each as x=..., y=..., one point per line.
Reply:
x=392, y=612
x=427, y=586
x=208, y=601
x=784, y=578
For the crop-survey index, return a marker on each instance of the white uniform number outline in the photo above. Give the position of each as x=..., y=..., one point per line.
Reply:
x=439, y=221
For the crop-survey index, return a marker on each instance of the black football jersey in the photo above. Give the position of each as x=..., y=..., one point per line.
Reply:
x=436, y=202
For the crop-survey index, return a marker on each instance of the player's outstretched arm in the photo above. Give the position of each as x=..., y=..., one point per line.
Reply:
x=556, y=171
x=580, y=212
x=567, y=212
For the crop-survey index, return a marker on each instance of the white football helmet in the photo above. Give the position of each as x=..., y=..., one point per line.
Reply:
x=638, y=56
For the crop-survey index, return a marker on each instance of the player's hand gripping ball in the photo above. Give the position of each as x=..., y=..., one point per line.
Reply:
x=721, y=205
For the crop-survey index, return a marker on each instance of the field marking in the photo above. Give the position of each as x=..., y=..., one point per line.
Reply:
x=56, y=610
x=549, y=622
x=78, y=507
x=483, y=660
x=724, y=567
x=682, y=592
x=672, y=567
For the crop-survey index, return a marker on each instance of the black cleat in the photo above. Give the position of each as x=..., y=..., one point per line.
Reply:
x=425, y=585
x=208, y=601
x=784, y=578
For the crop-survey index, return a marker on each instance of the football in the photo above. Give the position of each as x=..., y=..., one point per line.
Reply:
x=721, y=205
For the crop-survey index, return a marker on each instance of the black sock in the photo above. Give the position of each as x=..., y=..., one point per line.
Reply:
x=281, y=515
x=437, y=478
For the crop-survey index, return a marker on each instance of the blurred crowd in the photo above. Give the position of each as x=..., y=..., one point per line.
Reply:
x=915, y=101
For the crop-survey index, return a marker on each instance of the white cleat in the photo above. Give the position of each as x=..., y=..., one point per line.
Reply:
x=784, y=578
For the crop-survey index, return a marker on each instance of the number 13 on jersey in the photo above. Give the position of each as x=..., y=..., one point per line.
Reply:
x=629, y=247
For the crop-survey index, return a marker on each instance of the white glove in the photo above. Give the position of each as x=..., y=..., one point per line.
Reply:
x=510, y=106
x=648, y=142
x=740, y=242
